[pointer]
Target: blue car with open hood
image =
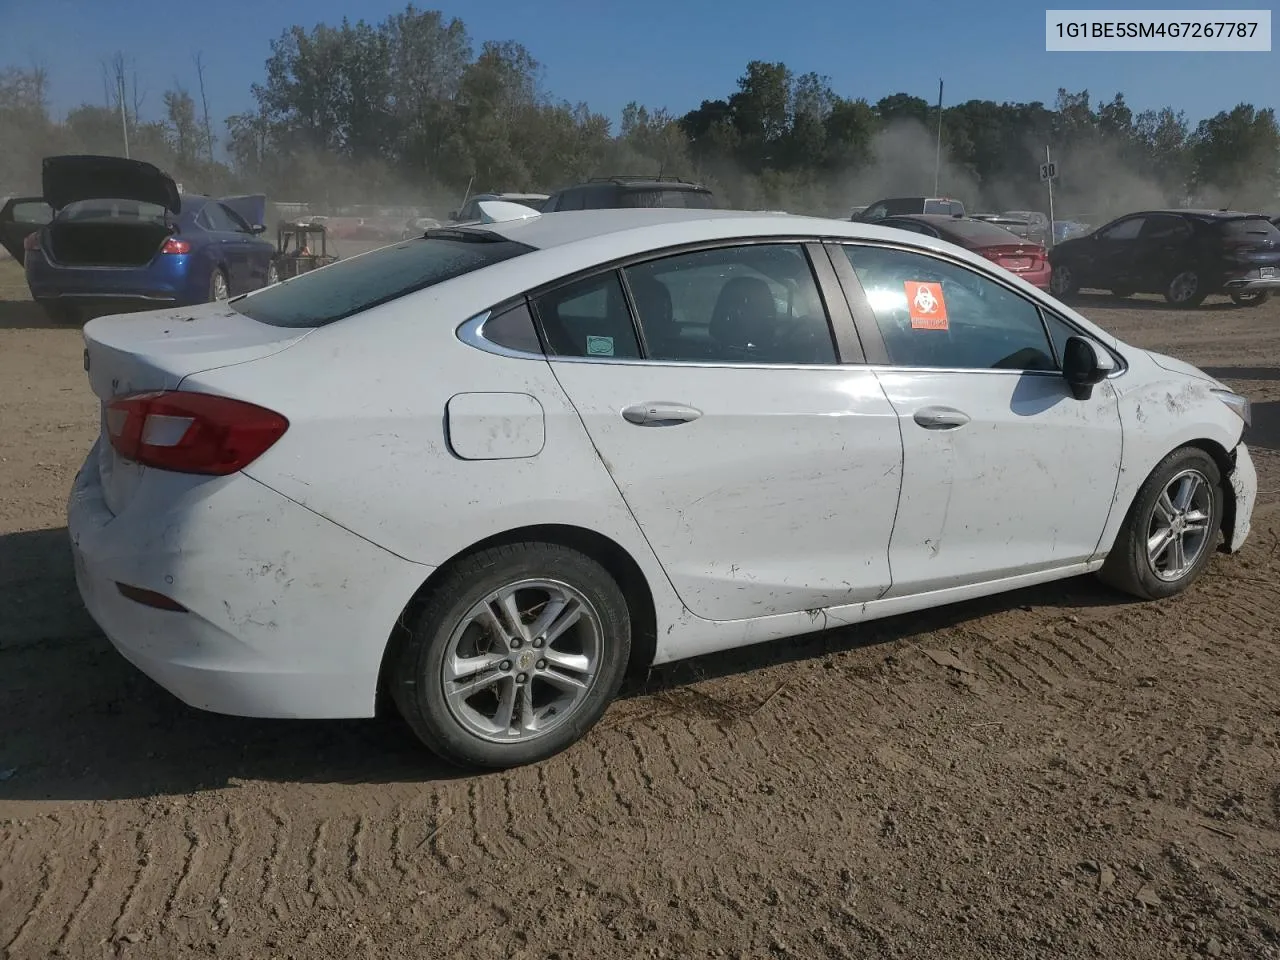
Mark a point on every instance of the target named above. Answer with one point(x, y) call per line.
point(114, 233)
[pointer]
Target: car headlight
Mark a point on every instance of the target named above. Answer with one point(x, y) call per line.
point(1238, 404)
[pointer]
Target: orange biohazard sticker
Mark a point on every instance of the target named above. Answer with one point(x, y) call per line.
point(927, 308)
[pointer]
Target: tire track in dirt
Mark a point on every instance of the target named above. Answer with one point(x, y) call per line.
point(93, 884)
point(46, 886)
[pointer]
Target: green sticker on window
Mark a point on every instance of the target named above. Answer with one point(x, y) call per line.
point(599, 346)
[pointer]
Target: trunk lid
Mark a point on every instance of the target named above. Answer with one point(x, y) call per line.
point(157, 350)
point(1015, 257)
point(69, 179)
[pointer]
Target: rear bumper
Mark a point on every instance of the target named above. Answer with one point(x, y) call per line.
point(287, 613)
point(1243, 480)
point(1236, 286)
point(149, 286)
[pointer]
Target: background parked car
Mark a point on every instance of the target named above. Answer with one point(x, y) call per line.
point(607, 193)
point(907, 206)
point(116, 233)
point(1037, 228)
point(987, 239)
point(470, 211)
point(1184, 254)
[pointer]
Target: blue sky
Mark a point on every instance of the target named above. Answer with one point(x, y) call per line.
point(660, 52)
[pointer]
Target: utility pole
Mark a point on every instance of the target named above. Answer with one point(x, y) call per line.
point(937, 159)
point(124, 112)
point(1052, 172)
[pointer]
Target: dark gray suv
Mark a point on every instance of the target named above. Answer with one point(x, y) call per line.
point(611, 193)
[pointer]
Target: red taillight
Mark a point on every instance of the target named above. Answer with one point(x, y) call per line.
point(191, 432)
point(31, 241)
point(175, 246)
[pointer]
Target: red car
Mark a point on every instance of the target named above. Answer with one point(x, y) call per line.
point(1028, 260)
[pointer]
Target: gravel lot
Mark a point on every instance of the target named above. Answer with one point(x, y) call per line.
point(1055, 773)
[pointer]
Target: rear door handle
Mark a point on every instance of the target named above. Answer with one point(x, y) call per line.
point(941, 418)
point(659, 414)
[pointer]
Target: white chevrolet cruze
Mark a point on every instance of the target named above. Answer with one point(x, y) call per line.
point(486, 470)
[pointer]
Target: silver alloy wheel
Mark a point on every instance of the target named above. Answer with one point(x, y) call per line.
point(1184, 286)
point(522, 660)
point(1178, 531)
point(1060, 280)
point(273, 275)
point(220, 291)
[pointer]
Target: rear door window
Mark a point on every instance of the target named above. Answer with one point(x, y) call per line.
point(589, 318)
point(1164, 227)
point(351, 286)
point(1124, 230)
point(757, 303)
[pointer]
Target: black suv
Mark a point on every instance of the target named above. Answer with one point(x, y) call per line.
point(1184, 254)
point(610, 193)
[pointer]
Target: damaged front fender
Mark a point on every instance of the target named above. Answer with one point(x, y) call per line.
point(1242, 484)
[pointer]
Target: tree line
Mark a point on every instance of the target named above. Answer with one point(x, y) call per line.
point(409, 110)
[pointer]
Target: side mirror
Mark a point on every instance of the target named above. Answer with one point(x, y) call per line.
point(453, 214)
point(258, 228)
point(1084, 365)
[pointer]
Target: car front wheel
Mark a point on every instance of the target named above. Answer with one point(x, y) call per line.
point(1172, 528)
point(514, 654)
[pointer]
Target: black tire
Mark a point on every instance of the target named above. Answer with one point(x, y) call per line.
point(217, 274)
point(1255, 299)
point(61, 313)
point(1128, 566)
point(1176, 294)
point(416, 668)
point(1064, 281)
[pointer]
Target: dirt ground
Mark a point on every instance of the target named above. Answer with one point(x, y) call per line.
point(1055, 773)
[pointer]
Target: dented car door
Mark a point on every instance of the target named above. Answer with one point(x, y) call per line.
point(1004, 471)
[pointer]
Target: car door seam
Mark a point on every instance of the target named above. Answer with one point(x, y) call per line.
point(902, 468)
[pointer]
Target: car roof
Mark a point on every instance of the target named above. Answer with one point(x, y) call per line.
point(939, 218)
point(1201, 214)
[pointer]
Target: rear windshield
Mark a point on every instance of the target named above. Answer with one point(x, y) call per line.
point(982, 232)
point(350, 286)
point(695, 199)
point(102, 209)
point(943, 206)
point(1258, 229)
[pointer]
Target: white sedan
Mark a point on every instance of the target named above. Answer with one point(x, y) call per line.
point(487, 470)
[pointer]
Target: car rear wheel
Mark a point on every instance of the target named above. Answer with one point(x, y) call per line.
point(273, 274)
point(514, 655)
point(1063, 281)
point(1185, 289)
point(1171, 530)
point(218, 289)
point(1255, 299)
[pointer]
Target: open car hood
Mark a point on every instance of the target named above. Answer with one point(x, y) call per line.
point(252, 208)
point(69, 179)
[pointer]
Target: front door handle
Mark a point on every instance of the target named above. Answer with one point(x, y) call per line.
point(658, 414)
point(941, 418)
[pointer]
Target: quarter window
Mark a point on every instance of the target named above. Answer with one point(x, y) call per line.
point(936, 314)
point(750, 304)
point(589, 318)
point(514, 329)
